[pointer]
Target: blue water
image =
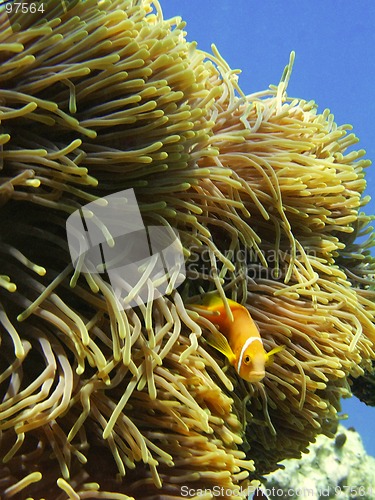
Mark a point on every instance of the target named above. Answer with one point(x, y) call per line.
point(334, 43)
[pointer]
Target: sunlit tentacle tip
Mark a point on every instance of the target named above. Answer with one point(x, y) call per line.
point(7, 284)
point(39, 270)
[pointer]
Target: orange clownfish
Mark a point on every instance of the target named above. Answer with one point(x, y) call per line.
point(239, 340)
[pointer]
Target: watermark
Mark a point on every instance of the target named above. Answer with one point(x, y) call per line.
point(21, 14)
point(281, 493)
point(249, 263)
point(108, 237)
point(217, 491)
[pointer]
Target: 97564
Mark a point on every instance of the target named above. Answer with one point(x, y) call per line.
point(23, 7)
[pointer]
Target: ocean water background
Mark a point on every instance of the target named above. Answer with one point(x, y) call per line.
point(334, 43)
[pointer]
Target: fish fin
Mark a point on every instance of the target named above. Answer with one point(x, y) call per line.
point(269, 355)
point(221, 344)
point(213, 301)
point(235, 305)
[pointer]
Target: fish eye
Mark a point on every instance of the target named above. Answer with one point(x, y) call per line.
point(247, 359)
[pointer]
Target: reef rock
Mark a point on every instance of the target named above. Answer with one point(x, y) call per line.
point(337, 468)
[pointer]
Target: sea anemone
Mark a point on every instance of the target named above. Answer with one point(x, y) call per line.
point(308, 284)
point(99, 402)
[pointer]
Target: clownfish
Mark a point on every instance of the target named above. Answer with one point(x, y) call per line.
point(239, 340)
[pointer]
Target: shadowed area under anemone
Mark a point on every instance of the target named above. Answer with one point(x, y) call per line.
point(266, 195)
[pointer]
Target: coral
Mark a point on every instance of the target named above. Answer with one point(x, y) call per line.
point(336, 468)
point(98, 402)
point(364, 387)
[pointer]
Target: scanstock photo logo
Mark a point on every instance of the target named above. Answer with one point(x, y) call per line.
point(108, 236)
